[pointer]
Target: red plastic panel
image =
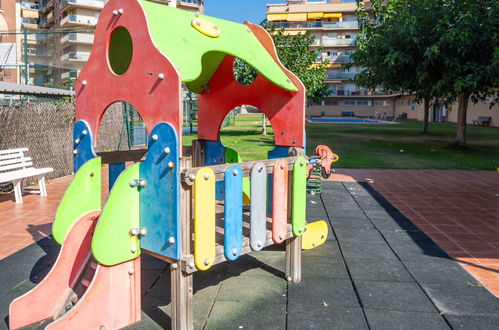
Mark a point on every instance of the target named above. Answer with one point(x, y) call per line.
point(44, 300)
point(280, 201)
point(156, 99)
point(112, 301)
point(285, 110)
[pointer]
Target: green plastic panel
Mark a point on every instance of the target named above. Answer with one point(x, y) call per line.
point(197, 56)
point(82, 196)
point(112, 243)
point(231, 156)
point(299, 196)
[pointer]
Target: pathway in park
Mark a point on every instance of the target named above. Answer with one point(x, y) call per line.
point(378, 269)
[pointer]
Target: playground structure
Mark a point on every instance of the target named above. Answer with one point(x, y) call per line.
point(193, 207)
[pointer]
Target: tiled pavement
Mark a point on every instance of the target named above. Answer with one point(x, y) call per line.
point(459, 210)
point(380, 273)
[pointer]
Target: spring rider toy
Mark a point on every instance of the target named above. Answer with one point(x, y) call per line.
point(183, 205)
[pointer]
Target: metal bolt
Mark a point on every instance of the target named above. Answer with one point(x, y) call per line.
point(206, 262)
point(300, 230)
point(191, 264)
point(288, 80)
point(215, 27)
point(120, 11)
point(133, 249)
point(235, 172)
point(234, 252)
point(84, 132)
point(206, 176)
point(102, 327)
point(134, 183)
point(198, 23)
point(166, 150)
point(175, 266)
point(313, 244)
point(155, 137)
point(260, 169)
point(192, 177)
point(143, 231)
point(302, 163)
point(170, 164)
point(281, 237)
point(142, 183)
point(171, 240)
point(75, 152)
point(77, 141)
point(196, 14)
point(323, 235)
point(134, 231)
point(131, 271)
point(84, 83)
point(115, 12)
point(289, 278)
point(259, 244)
point(282, 166)
point(161, 76)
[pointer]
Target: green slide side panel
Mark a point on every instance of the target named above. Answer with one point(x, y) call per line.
point(83, 195)
point(231, 156)
point(299, 196)
point(112, 243)
point(197, 56)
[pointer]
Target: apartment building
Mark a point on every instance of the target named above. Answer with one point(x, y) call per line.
point(59, 36)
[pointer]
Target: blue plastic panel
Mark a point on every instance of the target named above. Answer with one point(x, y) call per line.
point(215, 155)
point(115, 170)
point(233, 212)
point(83, 144)
point(258, 207)
point(160, 198)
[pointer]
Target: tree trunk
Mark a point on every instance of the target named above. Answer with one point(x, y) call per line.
point(461, 118)
point(426, 116)
point(264, 124)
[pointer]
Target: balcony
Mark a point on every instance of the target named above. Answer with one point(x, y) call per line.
point(30, 23)
point(69, 75)
point(92, 4)
point(334, 42)
point(78, 20)
point(79, 38)
point(191, 2)
point(338, 59)
point(348, 92)
point(46, 5)
point(29, 5)
point(317, 25)
point(75, 57)
point(334, 75)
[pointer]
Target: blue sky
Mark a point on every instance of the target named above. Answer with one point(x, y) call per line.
point(238, 10)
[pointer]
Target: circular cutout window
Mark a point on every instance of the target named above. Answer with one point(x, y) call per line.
point(120, 51)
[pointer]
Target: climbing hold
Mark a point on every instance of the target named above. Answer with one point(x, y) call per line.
point(206, 27)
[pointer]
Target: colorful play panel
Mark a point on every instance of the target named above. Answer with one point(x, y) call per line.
point(183, 205)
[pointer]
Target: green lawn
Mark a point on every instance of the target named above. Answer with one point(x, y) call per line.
point(376, 146)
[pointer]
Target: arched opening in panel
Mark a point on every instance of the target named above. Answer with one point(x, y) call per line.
point(248, 131)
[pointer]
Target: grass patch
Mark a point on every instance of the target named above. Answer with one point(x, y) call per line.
point(376, 146)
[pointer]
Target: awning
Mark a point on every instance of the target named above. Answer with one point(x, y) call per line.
point(332, 15)
point(301, 17)
point(315, 15)
point(276, 17)
point(293, 33)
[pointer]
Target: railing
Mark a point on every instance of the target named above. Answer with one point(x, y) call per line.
point(89, 3)
point(337, 59)
point(75, 56)
point(79, 19)
point(29, 21)
point(29, 5)
point(334, 42)
point(78, 37)
point(317, 24)
point(341, 75)
point(195, 2)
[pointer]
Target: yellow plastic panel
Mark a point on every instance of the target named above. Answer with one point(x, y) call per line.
point(315, 235)
point(204, 218)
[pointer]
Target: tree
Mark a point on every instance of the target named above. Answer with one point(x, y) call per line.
point(392, 48)
point(297, 56)
point(436, 49)
point(468, 49)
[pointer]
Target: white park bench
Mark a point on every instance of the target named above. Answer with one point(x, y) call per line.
point(15, 167)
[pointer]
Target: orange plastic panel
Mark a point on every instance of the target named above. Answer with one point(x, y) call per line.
point(280, 201)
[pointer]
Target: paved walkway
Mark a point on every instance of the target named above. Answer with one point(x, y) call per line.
point(459, 210)
point(376, 271)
